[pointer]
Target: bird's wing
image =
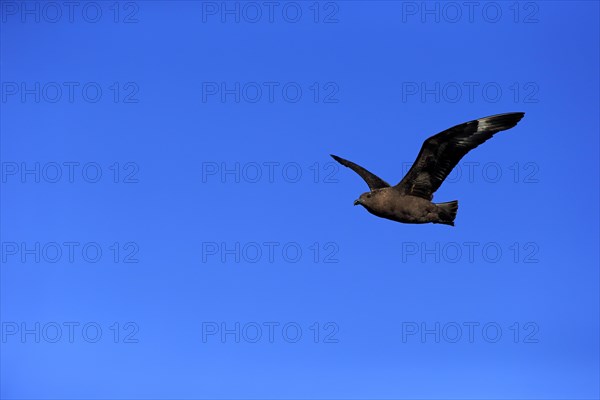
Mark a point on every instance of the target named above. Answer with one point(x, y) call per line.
point(440, 153)
point(372, 180)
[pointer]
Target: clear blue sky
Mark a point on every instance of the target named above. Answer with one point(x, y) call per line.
point(172, 224)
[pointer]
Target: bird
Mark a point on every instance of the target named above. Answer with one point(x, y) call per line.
point(410, 201)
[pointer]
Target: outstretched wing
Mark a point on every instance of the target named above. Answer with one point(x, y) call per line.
point(440, 153)
point(372, 180)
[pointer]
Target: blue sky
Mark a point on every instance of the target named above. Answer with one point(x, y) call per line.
point(172, 224)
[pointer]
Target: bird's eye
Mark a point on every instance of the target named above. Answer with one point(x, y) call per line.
point(368, 196)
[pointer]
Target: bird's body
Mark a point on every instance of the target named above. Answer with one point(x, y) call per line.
point(388, 203)
point(410, 200)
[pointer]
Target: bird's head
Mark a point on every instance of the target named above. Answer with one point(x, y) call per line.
point(366, 199)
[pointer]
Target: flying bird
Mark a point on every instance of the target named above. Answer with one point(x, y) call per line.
point(410, 201)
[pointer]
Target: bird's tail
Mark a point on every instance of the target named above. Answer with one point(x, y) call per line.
point(447, 212)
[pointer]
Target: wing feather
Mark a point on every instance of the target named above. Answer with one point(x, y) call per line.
point(440, 153)
point(372, 180)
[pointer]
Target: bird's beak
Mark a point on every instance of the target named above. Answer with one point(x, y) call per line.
point(356, 202)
